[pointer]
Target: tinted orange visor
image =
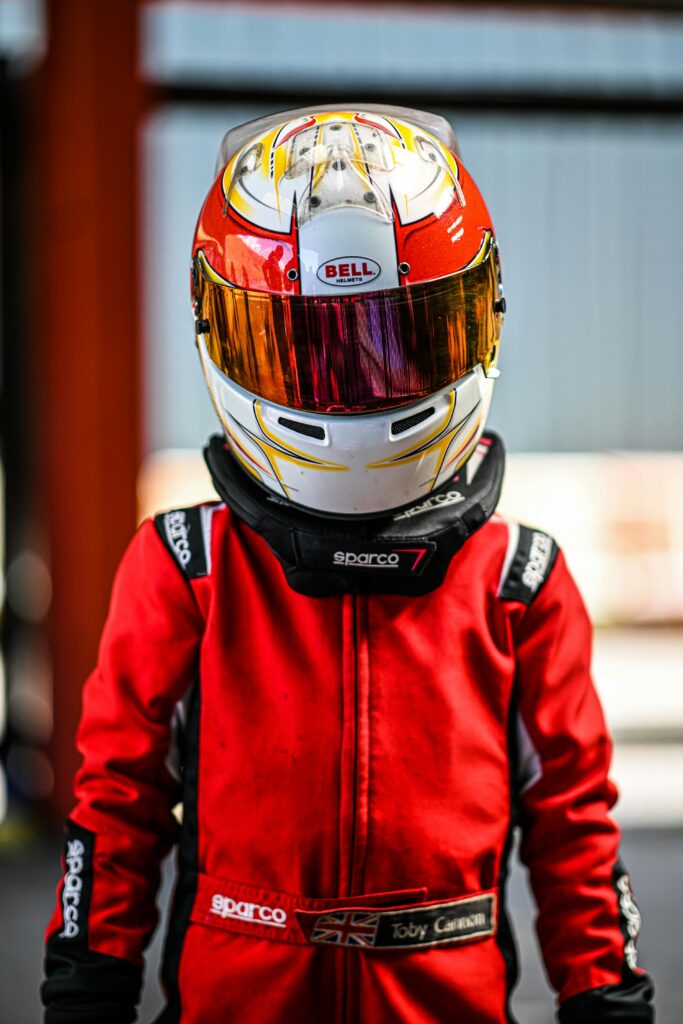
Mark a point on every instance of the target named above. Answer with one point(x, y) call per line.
point(356, 353)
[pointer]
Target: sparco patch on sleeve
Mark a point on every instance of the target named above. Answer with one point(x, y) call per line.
point(77, 883)
point(528, 563)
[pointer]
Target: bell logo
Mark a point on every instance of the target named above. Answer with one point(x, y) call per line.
point(347, 271)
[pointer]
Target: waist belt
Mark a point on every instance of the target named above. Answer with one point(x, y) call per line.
point(401, 919)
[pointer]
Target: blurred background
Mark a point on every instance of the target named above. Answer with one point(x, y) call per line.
point(570, 118)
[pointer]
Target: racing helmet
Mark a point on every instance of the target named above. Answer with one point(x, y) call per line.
point(348, 304)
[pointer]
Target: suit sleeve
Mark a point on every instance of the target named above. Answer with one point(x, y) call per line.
point(122, 824)
point(587, 918)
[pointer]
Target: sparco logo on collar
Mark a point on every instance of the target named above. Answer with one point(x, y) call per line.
point(539, 555)
point(349, 270)
point(73, 887)
point(380, 559)
point(253, 913)
point(436, 501)
point(177, 531)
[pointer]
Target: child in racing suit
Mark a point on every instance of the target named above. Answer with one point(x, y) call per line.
point(355, 678)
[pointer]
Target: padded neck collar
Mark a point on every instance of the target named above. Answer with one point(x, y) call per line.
point(406, 552)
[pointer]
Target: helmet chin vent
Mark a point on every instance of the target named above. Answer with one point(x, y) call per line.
point(309, 429)
point(400, 426)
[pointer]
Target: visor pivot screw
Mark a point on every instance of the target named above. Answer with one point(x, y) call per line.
point(292, 274)
point(315, 200)
point(202, 327)
point(370, 197)
point(404, 268)
point(500, 305)
point(370, 146)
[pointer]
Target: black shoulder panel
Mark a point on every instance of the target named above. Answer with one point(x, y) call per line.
point(186, 532)
point(529, 567)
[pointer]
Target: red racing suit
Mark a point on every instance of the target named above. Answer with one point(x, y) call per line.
point(350, 770)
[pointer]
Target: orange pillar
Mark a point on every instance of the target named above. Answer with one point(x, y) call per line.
point(84, 260)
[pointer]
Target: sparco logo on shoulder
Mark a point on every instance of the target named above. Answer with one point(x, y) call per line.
point(349, 270)
point(539, 555)
point(73, 886)
point(177, 530)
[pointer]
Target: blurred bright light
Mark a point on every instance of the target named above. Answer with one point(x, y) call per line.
point(29, 586)
point(649, 780)
point(22, 29)
point(29, 704)
point(3, 698)
point(619, 518)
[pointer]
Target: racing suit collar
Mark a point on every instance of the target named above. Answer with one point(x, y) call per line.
point(405, 552)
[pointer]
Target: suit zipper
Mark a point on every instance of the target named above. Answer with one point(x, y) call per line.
point(355, 778)
point(351, 957)
point(354, 817)
point(348, 850)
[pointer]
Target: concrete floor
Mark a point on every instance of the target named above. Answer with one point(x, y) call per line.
point(654, 858)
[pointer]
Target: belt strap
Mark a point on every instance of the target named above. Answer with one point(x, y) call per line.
point(400, 919)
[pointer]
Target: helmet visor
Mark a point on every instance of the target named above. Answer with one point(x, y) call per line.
point(355, 353)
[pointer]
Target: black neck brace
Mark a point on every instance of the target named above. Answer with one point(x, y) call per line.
point(406, 552)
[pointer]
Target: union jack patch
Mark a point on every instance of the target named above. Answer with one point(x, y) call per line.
point(347, 928)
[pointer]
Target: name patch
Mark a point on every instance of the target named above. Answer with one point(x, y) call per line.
point(410, 928)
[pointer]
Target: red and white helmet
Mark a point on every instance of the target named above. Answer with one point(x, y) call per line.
point(348, 305)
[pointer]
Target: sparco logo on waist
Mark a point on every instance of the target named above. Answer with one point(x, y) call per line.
point(252, 913)
point(73, 887)
point(177, 530)
point(380, 559)
point(349, 270)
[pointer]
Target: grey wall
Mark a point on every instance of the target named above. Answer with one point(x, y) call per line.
point(417, 47)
